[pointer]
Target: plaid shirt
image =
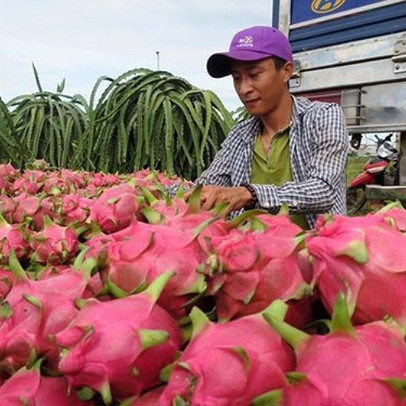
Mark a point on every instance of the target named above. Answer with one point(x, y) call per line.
point(318, 146)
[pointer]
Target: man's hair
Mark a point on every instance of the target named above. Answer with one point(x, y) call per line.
point(279, 62)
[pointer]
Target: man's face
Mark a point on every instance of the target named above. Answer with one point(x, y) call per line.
point(260, 85)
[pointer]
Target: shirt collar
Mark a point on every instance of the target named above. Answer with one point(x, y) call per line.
point(298, 110)
point(252, 129)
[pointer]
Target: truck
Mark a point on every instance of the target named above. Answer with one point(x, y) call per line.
point(352, 52)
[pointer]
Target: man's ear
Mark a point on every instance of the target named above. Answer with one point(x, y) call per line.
point(288, 71)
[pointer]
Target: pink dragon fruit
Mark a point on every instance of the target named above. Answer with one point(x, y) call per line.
point(49, 271)
point(55, 391)
point(67, 209)
point(94, 285)
point(28, 207)
point(97, 243)
point(118, 347)
point(251, 361)
point(20, 387)
point(116, 208)
point(365, 365)
point(97, 180)
point(186, 216)
point(151, 250)
point(150, 178)
point(96, 288)
point(34, 311)
point(75, 209)
point(76, 180)
point(55, 185)
point(6, 282)
point(13, 237)
point(255, 267)
point(8, 174)
point(28, 387)
point(365, 258)
point(149, 398)
point(394, 214)
point(8, 171)
point(30, 182)
point(162, 209)
point(54, 244)
point(64, 181)
point(7, 207)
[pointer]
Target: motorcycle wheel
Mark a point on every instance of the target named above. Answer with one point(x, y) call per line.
point(356, 199)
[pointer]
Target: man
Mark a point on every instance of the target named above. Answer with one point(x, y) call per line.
point(292, 151)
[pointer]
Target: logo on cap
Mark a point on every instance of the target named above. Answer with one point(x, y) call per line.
point(326, 6)
point(247, 41)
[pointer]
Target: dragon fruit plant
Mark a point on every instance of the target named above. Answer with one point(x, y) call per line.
point(233, 363)
point(365, 259)
point(362, 365)
point(118, 347)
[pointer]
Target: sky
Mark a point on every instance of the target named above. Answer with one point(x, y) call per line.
point(82, 40)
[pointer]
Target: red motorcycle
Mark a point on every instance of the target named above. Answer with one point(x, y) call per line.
point(381, 169)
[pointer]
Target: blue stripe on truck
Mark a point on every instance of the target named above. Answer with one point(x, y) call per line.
point(372, 23)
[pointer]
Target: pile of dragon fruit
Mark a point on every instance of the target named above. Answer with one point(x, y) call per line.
point(113, 293)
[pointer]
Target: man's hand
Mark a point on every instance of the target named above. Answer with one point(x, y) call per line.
point(212, 195)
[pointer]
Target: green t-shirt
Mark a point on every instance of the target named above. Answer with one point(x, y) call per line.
point(275, 167)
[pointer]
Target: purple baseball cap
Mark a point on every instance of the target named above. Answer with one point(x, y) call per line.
point(251, 44)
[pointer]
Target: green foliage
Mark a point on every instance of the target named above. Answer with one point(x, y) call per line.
point(48, 125)
point(11, 149)
point(142, 119)
point(153, 119)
